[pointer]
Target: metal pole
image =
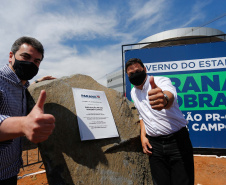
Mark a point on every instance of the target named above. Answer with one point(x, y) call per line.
point(123, 75)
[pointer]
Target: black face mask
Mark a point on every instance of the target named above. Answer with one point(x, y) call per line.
point(25, 70)
point(137, 78)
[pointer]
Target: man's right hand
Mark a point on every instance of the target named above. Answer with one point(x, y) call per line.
point(37, 126)
point(146, 145)
point(156, 96)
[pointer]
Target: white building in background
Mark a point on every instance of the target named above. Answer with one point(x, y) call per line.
point(115, 79)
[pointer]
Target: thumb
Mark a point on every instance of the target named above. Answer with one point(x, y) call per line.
point(152, 82)
point(41, 100)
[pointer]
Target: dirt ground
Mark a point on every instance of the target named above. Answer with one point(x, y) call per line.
point(209, 170)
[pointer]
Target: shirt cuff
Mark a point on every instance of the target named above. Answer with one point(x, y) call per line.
point(3, 117)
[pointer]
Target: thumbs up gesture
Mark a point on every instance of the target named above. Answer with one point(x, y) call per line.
point(155, 96)
point(37, 126)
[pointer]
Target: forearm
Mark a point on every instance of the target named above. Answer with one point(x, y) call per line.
point(11, 128)
point(142, 129)
point(144, 140)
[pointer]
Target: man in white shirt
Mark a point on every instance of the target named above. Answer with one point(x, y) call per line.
point(164, 136)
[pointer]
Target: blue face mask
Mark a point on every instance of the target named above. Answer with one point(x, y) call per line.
point(25, 70)
point(137, 78)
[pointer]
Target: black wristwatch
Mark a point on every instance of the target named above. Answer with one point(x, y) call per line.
point(167, 99)
point(36, 81)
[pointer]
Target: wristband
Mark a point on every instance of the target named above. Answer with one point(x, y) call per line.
point(167, 99)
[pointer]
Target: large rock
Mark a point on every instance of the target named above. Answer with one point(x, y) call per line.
point(68, 160)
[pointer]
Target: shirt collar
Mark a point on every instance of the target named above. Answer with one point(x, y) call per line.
point(146, 84)
point(12, 76)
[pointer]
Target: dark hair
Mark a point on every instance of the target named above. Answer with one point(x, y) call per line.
point(134, 61)
point(28, 40)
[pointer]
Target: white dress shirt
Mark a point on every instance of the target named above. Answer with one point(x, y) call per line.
point(157, 123)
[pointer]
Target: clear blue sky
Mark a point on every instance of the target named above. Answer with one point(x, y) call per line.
point(85, 36)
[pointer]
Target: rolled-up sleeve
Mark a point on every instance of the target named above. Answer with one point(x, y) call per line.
point(3, 117)
point(3, 114)
point(166, 85)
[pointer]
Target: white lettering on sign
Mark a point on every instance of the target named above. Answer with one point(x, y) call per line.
point(186, 65)
point(208, 127)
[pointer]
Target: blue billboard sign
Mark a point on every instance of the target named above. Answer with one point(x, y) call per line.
point(199, 74)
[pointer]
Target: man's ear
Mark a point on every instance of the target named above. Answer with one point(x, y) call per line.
point(145, 69)
point(11, 57)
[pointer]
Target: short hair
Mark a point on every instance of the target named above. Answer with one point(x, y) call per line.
point(28, 40)
point(134, 61)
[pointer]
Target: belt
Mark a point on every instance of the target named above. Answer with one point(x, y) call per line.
point(180, 132)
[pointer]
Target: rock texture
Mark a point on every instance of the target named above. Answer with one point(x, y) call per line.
point(68, 160)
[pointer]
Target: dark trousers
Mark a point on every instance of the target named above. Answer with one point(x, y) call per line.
point(172, 159)
point(10, 181)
